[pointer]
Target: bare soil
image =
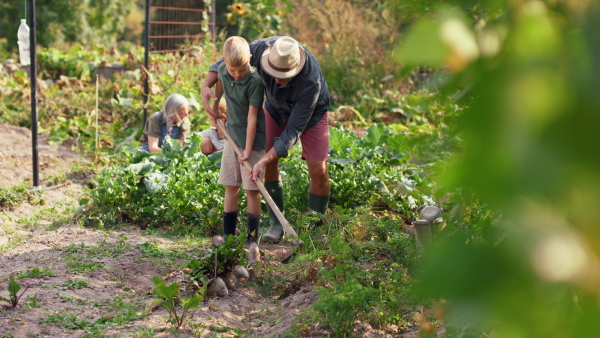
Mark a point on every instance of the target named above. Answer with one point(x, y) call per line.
point(41, 234)
point(31, 238)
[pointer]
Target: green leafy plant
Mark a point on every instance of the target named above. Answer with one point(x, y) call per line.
point(111, 250)
point(13, 290)
point(70, 298)
point(55, 63)
point(229, 255)
point(13, 196)
point(364, 265)
point(74, 284)
point(76, 263)
point(159, 189)
point(374, 170)
point(37, 273)
point(34, 301)
point(339, 307)
point(169, 299)
point(68, 321)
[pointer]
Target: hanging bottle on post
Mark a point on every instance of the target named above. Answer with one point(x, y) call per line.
point(23, 41)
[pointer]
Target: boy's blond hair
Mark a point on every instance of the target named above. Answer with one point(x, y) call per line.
point(236, 51)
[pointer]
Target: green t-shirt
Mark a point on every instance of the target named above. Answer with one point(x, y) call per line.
point(240, 95)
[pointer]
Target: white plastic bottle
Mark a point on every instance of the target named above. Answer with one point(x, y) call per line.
point(23, 41)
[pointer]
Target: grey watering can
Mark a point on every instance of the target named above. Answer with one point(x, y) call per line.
point(427, 227)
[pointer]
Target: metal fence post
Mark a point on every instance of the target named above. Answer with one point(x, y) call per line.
point(33, 76)
point(213, 20)
point(146, 61)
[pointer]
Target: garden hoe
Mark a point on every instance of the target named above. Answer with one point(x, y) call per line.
point(288, 230)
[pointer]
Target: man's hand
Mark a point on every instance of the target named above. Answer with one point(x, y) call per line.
point(250, 177)
point(258, 172)
point(215, 114)
point(207, 93)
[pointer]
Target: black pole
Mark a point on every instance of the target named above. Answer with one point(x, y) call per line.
point(213, 20)
point(146, 59)
point(33, 76)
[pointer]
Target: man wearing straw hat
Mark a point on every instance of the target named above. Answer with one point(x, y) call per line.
point(295, 109)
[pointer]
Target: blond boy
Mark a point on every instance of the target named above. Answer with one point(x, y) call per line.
point(244, 90)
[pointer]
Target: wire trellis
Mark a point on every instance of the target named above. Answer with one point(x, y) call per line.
point(174, 24)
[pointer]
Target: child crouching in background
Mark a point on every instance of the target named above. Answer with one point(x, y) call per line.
point(213, 139)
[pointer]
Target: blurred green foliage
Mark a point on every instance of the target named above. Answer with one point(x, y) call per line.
point(529, 154)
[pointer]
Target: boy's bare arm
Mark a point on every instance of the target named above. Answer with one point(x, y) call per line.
point(250, 131)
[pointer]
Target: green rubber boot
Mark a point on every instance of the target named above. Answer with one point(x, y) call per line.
point(318, 204)
point(275, 231)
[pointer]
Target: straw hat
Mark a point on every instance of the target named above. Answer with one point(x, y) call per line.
point(284, 59)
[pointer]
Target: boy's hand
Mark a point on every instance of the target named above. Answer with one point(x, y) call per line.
point(245, 157)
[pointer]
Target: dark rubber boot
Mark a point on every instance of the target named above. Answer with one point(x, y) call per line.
point(275, 231)
point(252, 230)
point(318, 204)
point(229, 223)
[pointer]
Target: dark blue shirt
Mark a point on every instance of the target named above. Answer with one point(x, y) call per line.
point(301, 103)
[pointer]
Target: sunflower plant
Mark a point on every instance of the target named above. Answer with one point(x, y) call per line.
point(257, 19)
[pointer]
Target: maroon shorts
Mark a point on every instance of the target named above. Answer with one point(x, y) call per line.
point(315, 141)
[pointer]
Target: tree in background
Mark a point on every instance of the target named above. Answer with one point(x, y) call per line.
point(88, 22)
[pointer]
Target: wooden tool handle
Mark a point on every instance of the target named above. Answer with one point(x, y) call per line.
point(261, 186)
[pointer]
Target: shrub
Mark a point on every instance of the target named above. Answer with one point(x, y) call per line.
point(175, 188)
